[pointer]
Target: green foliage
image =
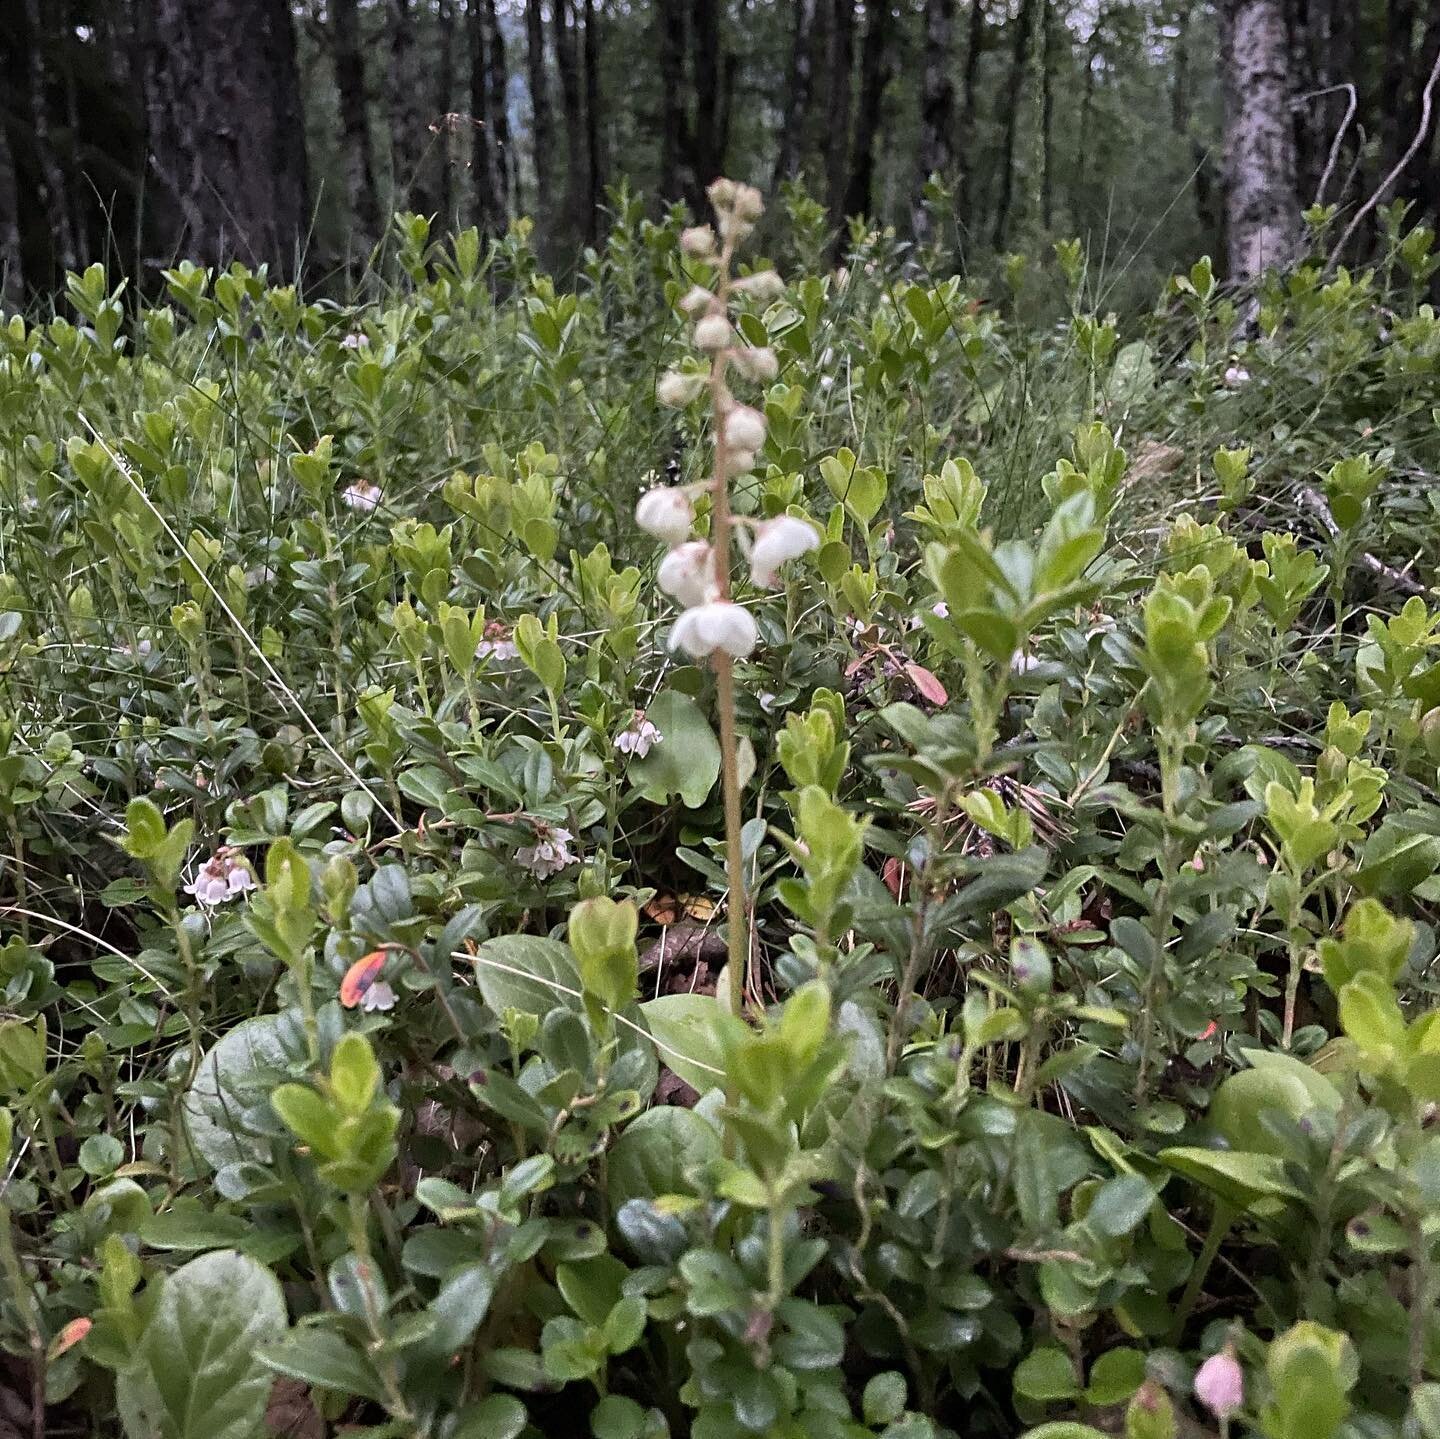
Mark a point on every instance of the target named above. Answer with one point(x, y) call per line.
point(361, 950)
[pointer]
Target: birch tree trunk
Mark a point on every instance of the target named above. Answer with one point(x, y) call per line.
point(1262, 211)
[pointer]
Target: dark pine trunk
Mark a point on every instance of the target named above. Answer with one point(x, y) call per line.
point(542, 118)
point(797, 91)
point(1014, 96)
point(354, 119)
point(840, 62)
point(567, 61)
point(974, 48)
point(937, 108)
point(594, 168)
point(497, 86)
point(54, 195)
point(709, 153)
point(443, 127)
point(407, 123)
point(484, 163)
point(1049, 58)
point(676, 142)
point(874, 75)
point(227, 133)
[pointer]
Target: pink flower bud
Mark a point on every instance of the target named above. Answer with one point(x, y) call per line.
point(1220, 1383)
point(713, 333)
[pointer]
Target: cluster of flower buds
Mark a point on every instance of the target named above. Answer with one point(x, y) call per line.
point(689, 573)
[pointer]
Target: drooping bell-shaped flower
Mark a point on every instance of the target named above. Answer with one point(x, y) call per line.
point(776, 541)
point(1220, 1383)
point(744, 428)
point(687, 573)
point(666, 513)
point(719, 625)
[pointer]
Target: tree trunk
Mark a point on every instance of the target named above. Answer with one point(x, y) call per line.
point(1015, 93)
point(12, 276)
point(797, 92)
point(676, 141)
point(594, 172)
point(840, 62)
point(1181, 119)
point(484, 166)
point(975, 45)
point(407, 143)
point(354, 120)
point(708, 62)
point(497, 107)
point(542, 121)
point(1048, 61)
point(937, 105)
point(227, 134)
point(1399, 127)
point(54, 197)
point(576, 184)
point(874, 75)
point(443, 126)
point(1261, 209)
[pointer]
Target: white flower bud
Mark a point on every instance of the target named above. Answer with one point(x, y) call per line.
point(698, 241)
point(739, 462)
point(687, 573)
point(763, 285)
point(721, 193)
point(716, 626)
point(748, 203)
point(665, 513)
point(675, 388)
point(756, 364)
point(732, 227)
point(713, 333)
point(744, 428)
point(783, 538)
point(696, 301)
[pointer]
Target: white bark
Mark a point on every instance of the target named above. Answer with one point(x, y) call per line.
point(1262, 212)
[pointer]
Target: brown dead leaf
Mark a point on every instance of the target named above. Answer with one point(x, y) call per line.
point(291, 1413)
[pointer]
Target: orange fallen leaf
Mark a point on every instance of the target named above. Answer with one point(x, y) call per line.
point(360, 976)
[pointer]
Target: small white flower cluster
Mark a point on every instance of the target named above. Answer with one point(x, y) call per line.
point(639, 737)
point(362, 495)
point(223, 876)
point(551, 851)
point(689, 573)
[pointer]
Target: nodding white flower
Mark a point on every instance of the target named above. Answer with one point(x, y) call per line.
point(259, 575)
point(739, 462)
point(353, 340)
point(763, 285)
point(675, 388)
point(713, 333)
point(696, 301)
point(698, 240)
point(666, 513)
point(139, 651)
point(687, 573)
point(223, 876)
point(498, 642)
point(638, 737)
point(1023, 664)
point(1236, 376)
point(361, 495)
point(719, 625)
point(378, 996)
point(1220, 1383)
point(550, 853)
point(783, 538)
point(941, 609)
point(758, 363)
point(744, 428)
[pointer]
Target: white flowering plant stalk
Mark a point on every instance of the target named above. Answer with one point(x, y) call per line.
point(696, 572)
